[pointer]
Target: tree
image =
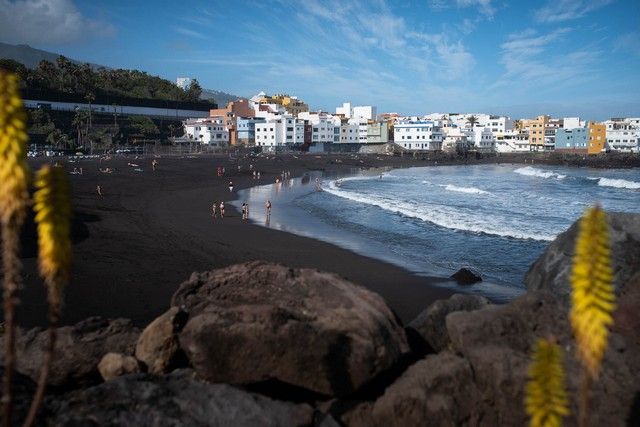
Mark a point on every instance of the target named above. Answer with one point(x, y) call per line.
point(143, 126)
point(78, 121)
point(59, 139)
point(472, 120)
point(194, 91)
point(518, 125)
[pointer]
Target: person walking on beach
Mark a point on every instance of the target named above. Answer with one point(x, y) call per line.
point(221, 209)
point(268, 206)
point(244, 211)
point(230, 186)
point(99, 191)
point(154, 163)
point(213, 209)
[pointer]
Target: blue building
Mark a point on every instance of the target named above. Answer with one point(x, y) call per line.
point(246, 128)
point(574, 140)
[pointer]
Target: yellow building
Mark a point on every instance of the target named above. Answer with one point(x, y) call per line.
point(597, 138)
point(292, 104)
point(536, 128)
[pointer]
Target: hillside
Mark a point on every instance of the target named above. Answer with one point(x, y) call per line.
point(31, 57)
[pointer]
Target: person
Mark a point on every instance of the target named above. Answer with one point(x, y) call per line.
point(213, 209)
point(230, 186)
point(154, 163)
point(221, 209)
point(254, 174)
point(244, 211)
point(268, 206)
point(258, 174)
point(99, 190)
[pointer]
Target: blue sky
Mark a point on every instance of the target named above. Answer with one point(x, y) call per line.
point(520, 58)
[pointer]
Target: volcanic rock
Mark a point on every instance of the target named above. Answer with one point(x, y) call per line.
point(158, 347)
point(114, 365)
point(466, 276)
point(256, 321)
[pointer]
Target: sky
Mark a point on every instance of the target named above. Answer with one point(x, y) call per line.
point(517, 58)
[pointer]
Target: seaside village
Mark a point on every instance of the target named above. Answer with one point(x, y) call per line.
point(280, 122)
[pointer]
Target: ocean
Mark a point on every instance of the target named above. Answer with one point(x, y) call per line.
point(496, 219)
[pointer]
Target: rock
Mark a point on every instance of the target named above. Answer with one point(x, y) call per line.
point(430, 325)
point(436, 391)
point(254, 322)
point(466, 276)
point(482, 380)
point(114, 365)
point(79, 349)
point(626, 319)
point(177, 399)
point(158, 347)
point(552, 270)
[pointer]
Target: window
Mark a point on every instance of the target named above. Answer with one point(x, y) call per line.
point(290, 129)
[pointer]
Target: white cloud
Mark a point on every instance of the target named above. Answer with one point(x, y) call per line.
point(189, 33)
point(484, 6)
point(565, 10)
point(47, 21)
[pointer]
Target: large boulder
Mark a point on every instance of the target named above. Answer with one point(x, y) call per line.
point(177, 399)
point(254, 322)
point(482, 380)
point(430, 325)
point(78, 350)
point(553, 269)
point(158, 347)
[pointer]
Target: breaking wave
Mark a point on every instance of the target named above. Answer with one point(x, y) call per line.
point(531, 171)
point(618, 183)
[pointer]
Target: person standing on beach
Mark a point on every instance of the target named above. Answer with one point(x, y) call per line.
point(244, 211)
point(154, 163)
point(99, 191)
point(268, 206)
point(230, 186)
point(213, 209)
point(221, 209)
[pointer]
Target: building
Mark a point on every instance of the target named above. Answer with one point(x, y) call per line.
point(325, 128)
point(481, 138)
point(418, 135)
point(513, 141)
point(455, 141)
point(362, 124)
point(573, 123)
point(597, 138)
point(246, 129)
point(231, 112)
point(575, 140)
point(379, 133)
point(184, 82)
point(291, 104)
point(283, 132)
point(210, 131)
point(367, 112)
point(623, 135)
point(349, 133)
point(542, 132)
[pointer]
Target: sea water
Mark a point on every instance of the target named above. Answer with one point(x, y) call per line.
point(496, 219)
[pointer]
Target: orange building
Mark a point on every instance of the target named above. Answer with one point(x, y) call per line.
point(597, 138)
point(230, 113)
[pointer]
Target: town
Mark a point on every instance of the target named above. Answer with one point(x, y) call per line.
point(280, 122)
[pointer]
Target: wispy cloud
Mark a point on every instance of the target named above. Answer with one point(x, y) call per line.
point(188, 32)
point(565, 10)
point(485, 7)
point(48, 21)
point(628, 43)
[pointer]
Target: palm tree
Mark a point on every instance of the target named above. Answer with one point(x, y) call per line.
point(472, 120)
point(517, 124)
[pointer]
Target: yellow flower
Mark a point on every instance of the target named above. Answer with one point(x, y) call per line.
point(592, 297)
point(14, 172)
point(53, 216)
point(545, 394)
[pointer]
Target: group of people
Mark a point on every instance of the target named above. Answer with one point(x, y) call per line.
point(218, 209)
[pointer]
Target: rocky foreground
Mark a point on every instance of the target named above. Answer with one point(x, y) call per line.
point(262, 344)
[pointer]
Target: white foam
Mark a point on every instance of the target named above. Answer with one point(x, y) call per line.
point(619, 183)
point(443, 216)
point(531, 171)
point(468, 190)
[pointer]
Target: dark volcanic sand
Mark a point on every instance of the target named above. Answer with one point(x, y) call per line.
point(151, 230)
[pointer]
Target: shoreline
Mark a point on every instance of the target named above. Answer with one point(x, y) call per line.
point(151, 230)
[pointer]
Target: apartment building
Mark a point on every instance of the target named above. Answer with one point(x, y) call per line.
point(418, 135)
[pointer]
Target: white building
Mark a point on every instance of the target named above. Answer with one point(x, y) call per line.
point(367, 112)
point(455, 141)
point(481, 137)
point(573, 123)
point(496, 124)
point(325, 128)
point(184, 82)
point(210, 131)
point(513, 141)
point(418, 135)
point(349, 133)
point(285, 131)
point(623, 135)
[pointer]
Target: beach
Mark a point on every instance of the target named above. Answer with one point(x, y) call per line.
point(151, 229)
